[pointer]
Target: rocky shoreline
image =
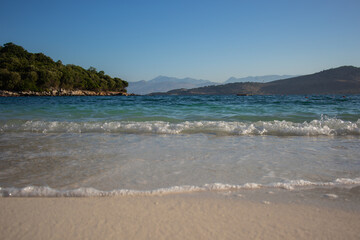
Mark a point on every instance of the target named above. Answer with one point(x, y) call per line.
point(62, 92)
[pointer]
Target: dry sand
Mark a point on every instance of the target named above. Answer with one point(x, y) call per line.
point(179, 216)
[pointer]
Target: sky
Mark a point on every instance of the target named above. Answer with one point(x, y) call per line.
point(204, 39)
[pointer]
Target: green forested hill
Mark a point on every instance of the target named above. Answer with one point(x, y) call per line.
point(24, 71)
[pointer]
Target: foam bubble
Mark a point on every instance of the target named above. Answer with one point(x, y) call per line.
point(347, 181)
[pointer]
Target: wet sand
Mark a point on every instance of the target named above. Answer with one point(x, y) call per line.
point(177, 216)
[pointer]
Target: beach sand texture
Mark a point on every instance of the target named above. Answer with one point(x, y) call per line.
point(179, 216)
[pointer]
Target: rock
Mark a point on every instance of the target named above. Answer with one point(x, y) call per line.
point(4, 93)
point(62, 92)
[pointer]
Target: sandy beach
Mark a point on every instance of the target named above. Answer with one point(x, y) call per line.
point(177, 216)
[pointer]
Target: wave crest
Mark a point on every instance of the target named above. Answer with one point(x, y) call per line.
point(41, 191)
point(326, 127)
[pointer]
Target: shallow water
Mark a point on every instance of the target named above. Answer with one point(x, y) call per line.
point(85, 146)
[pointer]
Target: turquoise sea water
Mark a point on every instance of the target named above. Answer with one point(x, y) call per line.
point(54, 146)
point(175, 109)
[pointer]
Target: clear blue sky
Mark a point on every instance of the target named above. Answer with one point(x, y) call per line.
point(214, 40)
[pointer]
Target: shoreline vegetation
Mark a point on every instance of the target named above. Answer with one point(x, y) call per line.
point(35, 74)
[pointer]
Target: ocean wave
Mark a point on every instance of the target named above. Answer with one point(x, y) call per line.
point(325, 127)
point(42, 191)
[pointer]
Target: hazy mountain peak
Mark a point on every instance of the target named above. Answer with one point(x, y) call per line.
point(162, 78)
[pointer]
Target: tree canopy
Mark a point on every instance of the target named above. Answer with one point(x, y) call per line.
point(24, 71)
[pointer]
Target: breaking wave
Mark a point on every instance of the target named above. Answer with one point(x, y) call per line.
point(36, 191)
point(325, 127)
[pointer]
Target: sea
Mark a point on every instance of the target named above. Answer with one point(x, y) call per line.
point(142, 145)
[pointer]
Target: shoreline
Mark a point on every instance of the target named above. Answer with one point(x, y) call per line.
point(62, 92)
point(177, 216)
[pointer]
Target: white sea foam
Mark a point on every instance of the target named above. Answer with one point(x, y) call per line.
point(41, 191)
point(325, 127)
point(331, 196)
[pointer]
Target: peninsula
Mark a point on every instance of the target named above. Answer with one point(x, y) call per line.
point(35, 74)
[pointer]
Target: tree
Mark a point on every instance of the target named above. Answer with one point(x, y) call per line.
point(10, 80)
point(92, 69)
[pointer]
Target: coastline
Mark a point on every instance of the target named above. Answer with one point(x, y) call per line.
point(62, 92)
point(174, 216)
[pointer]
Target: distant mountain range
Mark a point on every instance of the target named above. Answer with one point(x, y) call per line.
point(164, 84)
point(341, 80)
